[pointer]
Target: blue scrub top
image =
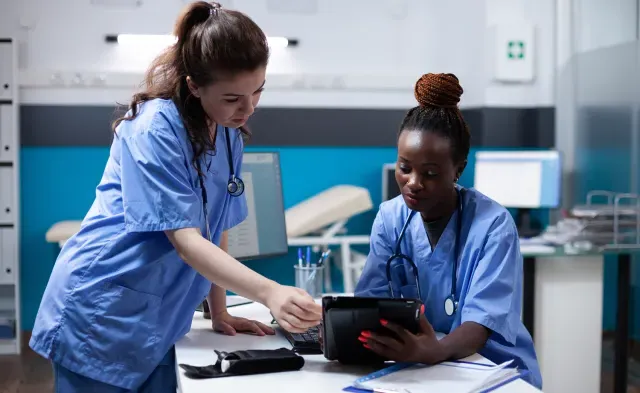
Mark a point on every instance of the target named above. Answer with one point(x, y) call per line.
point(119, 296)
point(489, 284)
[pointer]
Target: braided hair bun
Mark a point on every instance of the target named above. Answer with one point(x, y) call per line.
point(438, 90)
point(437, 111)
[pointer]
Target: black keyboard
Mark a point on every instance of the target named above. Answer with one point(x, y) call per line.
point(305, 343)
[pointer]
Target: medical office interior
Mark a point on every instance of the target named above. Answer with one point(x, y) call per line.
point(551, 95)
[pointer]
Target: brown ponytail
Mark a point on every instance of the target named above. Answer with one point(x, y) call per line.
point(204, 32)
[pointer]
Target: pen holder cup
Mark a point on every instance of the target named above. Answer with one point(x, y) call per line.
point(310, 278)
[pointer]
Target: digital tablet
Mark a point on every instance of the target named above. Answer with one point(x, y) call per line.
point(346, 317)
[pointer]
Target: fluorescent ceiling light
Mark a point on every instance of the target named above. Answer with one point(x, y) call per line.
point(166, 40)
point(279, 42)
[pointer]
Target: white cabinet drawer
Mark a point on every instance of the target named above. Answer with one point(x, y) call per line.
point(6, 70)
point(8, 148)
point(8, 255)
point(7, 189)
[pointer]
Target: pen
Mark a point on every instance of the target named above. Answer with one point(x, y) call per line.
point(312, 276)
point(308, 256)
point(323, 257)
point(300, 257)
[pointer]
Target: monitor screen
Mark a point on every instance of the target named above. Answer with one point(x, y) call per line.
point(519, 179)
point(263, 233)
point(390, 187)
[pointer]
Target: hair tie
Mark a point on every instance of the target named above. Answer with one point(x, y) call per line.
point(214, 8)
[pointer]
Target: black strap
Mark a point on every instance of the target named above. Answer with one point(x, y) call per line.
point(454, 273)
point(226, 132)
point(202, 187)
point(404, 228)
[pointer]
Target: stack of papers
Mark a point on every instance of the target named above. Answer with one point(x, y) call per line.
point(451, 377)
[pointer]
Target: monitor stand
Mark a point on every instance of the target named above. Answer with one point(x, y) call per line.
point(527, 227)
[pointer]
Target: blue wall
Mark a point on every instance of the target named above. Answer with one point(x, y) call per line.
point(58, 184)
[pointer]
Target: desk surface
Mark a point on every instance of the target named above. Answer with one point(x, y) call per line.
point(317, 375)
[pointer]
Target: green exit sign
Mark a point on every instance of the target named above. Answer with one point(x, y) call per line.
point(515, 49)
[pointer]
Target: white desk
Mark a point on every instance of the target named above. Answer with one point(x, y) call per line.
point(317, 375)
point(561, 291)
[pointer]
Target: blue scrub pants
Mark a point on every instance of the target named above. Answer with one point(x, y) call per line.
point(163, 379)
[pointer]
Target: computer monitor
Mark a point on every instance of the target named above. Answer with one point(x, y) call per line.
point(390, 187)
point(263, 234)
point(520, 179)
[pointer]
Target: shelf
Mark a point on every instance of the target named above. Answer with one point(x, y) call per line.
point(9, 198)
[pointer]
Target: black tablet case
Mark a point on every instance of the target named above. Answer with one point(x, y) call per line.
point(346, 317)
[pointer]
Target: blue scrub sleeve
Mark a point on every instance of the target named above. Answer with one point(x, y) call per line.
point(157, 192)
point(493, 299)
point(373, 280)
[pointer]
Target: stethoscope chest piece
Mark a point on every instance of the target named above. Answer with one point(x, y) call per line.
point(235, 186)
point(450, 305)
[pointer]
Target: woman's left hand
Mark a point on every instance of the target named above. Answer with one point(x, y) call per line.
point(227, 324)
point(423, 347)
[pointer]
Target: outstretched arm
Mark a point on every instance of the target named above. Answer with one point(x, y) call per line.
point(217, 297)
point(159, 195)
point(221, 320)
point(219, 267)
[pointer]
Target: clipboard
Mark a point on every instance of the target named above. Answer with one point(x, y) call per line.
point(509, 375)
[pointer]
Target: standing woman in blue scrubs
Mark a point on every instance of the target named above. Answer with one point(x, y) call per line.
point(124, 288)
point(456, 237)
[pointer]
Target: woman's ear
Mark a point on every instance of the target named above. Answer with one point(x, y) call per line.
point(193, 88)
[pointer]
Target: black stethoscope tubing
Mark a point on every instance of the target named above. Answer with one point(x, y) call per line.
point(235, 185)
point(450, 304)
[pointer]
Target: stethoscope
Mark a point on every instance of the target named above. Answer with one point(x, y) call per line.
point(450, 303)
point(235, 185)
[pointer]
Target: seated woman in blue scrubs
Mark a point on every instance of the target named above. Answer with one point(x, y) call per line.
point(464, 245)
point(124, 289)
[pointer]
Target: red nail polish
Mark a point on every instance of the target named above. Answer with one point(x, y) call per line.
point(422, 309)
point(365, 333)
point(366, 346)
point(363, 339)
point(383, 322)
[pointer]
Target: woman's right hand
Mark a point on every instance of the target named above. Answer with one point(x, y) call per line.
point(294, 309)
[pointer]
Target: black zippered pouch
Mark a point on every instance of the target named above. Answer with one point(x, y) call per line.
point(246, 362)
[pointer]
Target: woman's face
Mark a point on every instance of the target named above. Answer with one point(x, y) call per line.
point(425, 171)
point(231, 101)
